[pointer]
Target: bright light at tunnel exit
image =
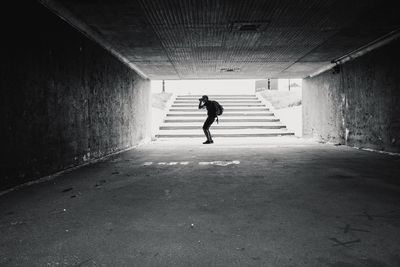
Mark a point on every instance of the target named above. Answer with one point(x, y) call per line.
point(285, 97)
point(225, 86)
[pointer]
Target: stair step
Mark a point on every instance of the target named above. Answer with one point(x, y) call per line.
point(258, 114)
point(223, 127)
point(225, 110)
point(225, 135)
point(217, 98)
point(221, 120)
point(199, 130)
point(223, 123)
point(225, 105)
point(211, 96)
point(224, 102)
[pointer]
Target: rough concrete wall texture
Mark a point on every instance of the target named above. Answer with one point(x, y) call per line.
point(360, 105)
point(65, 99)
point(322, 101)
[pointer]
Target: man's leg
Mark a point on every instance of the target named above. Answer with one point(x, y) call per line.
point(208, 134)
point(206, 128)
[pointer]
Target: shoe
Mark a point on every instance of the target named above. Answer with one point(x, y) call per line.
point(208, 142)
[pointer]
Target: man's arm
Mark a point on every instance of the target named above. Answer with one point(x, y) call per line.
point(200, 104)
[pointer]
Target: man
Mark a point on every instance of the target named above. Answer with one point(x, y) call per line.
point(211, 115)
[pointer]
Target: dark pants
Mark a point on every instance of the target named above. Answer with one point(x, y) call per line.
point(206, 127)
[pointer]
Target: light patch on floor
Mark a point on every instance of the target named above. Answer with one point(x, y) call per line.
point(220, 163)
point(149, 163)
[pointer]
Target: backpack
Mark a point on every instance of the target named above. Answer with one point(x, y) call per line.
point(218, 109)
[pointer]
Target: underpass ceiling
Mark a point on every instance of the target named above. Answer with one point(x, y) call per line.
point(197, 39)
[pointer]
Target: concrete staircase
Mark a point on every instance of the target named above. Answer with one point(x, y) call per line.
point(244, 116)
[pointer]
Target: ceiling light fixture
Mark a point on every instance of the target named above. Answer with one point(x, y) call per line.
point(249, 26)
point(230, 69)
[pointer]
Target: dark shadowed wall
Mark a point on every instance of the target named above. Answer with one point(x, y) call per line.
point(360, 105)
point(64, 99)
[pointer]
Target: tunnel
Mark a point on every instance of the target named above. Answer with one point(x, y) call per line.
point(84, 182)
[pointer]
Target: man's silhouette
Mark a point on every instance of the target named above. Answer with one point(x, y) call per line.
point(211, 115)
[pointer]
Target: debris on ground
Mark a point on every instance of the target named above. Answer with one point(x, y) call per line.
point(67, 190)
point(100, 183)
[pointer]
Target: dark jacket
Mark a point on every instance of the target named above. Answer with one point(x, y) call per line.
point(211, 109)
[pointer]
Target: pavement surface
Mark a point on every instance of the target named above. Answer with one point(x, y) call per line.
point(247, 202)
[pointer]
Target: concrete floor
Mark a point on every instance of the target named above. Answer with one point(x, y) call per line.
point(289, 202)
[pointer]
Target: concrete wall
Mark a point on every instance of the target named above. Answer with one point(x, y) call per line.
point(360, 105)
point(64, 99)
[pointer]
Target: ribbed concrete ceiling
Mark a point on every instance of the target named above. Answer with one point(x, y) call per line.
point(196, 39)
